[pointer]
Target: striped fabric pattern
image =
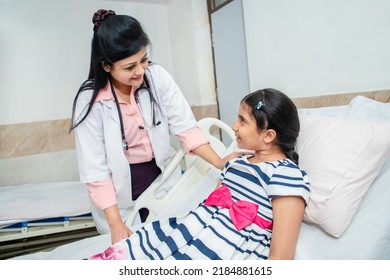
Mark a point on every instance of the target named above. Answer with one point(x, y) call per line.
point(207, 232)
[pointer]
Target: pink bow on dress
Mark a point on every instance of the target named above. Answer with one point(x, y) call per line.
point(242, 213)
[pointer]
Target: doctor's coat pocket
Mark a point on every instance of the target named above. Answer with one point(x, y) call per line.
point(161, 143)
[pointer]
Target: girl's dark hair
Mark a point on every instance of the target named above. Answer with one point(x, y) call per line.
point(115, 37)
point(276, 111)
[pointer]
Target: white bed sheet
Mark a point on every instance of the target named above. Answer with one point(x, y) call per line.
point(28, 202)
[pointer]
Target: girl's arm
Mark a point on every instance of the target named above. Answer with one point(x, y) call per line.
point(288, 215)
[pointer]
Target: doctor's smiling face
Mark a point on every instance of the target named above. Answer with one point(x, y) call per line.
point(128, 72)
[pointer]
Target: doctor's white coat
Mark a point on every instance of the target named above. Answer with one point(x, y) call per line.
point(99, 142)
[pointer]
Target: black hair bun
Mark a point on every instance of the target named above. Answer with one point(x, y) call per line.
point(100, 16)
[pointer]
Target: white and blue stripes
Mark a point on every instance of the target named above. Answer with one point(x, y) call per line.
point(207, 232)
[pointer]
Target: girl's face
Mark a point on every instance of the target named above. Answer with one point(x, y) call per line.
point(129, 71)
point(248, 136)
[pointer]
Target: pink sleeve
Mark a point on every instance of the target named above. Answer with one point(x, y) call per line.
point(192, 138)
point(102, 193)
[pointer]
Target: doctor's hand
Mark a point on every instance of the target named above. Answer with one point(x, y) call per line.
point(232, 155)
point(207, 153)
point(119, 232)
point(118, 229)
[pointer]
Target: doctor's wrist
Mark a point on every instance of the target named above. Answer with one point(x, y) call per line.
point(220, 163)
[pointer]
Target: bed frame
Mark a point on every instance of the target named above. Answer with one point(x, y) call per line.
point(195, 168)
point(339, 99)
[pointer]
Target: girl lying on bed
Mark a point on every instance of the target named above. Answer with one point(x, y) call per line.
point(257, 197)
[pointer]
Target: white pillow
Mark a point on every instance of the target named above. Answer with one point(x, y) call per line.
point(363, 108)
point(342, 158)
point(331, 111)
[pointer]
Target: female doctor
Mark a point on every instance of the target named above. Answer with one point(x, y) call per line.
point(123, 115)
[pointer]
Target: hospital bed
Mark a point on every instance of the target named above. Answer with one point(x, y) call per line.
point(40, 216)
point(345, 150)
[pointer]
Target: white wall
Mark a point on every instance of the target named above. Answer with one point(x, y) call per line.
point(231, 66)
point(304, 47)
point(191, 49)
point(45, 49)
point(307, 47)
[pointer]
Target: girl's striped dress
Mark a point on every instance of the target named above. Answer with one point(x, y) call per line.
point(208, 232)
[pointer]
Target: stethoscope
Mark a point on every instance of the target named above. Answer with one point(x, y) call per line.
point(144, 87)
